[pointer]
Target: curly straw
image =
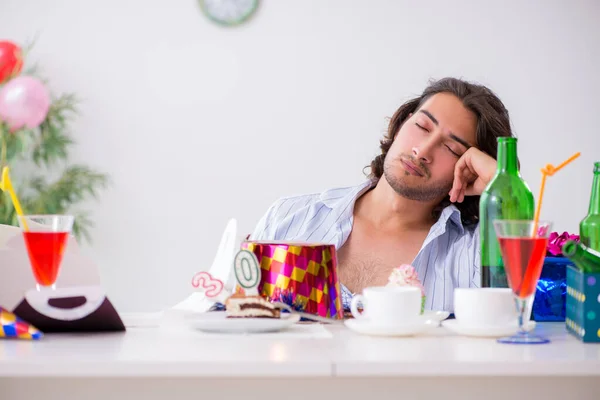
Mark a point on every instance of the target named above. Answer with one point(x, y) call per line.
point(548, 170)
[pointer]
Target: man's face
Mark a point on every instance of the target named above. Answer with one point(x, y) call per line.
point(420, 162)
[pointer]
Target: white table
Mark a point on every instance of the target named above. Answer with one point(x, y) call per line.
point(153, 363)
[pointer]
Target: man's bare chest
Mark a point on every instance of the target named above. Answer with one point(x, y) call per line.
point(367, 260)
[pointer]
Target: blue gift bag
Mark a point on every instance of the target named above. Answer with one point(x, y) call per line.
point(551, 292)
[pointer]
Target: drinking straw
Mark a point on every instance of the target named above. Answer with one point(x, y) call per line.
point(547, 171)
point(6, 185)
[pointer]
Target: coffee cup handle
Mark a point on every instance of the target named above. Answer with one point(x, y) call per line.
point(354, 305)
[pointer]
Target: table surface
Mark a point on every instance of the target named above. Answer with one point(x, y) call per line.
point(183, 352)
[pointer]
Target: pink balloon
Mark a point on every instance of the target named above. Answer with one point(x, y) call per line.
point(24, 101)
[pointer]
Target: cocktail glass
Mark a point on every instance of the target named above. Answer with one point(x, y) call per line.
point(46, 238)
point(523, 244)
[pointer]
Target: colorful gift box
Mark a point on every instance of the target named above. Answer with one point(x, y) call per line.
point(549, 304)
point(583, 305)
point(302, 275)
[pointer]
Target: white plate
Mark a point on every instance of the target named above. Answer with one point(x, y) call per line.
point(437, 315)
point(364, 327)
point(217, 322)
point(454, 326)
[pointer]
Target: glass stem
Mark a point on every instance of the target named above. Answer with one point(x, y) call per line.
point(50, 288)
point(521, 308)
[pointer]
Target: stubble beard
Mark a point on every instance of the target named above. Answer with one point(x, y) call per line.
point(419, 192)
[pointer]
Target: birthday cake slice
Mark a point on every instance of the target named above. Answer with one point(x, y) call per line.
point(239, 305)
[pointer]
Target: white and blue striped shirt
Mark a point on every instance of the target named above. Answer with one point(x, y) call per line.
point(449, 257)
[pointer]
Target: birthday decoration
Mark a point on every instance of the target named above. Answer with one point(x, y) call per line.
point(305, 273)
point(24, 102)
point(212, 287)
point(247, 272)
point(406, 275)
point(12, 326)
point(556, 242)
point(11, 60)
point(287, 297)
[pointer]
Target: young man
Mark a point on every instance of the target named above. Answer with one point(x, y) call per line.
point(420, 205)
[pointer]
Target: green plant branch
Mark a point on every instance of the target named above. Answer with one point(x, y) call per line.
point(77, 183)
point(3, 149)
point(53, 141)
point(46, 149)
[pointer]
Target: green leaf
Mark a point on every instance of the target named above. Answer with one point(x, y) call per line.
point(82, 225)
point(18, 144)
point(54, 140)
point(46, 147)
point(8, 215)
point(75, 185)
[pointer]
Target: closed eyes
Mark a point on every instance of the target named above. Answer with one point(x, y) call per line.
point(447, 147)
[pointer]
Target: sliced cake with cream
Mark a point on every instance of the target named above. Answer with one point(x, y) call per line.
point(241, 306)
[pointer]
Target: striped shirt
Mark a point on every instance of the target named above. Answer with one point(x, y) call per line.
point(448, 258)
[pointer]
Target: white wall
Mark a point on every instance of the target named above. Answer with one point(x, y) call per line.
point(295, 101)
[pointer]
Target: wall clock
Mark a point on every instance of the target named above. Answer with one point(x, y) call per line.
point(229, 12)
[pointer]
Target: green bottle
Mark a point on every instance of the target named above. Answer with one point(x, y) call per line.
point(589, 227)
point(586, 259)
point(507, 196)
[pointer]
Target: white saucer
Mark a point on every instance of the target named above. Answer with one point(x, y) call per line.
point(436, 315)
point(366, 327)
point(217, 322)
point(454, 326)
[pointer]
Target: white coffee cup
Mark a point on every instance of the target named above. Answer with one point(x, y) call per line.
point(484, 307)
point(388, 304)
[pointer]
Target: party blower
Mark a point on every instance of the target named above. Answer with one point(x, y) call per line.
point(12, 326)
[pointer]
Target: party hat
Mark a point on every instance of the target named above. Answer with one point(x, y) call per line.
point(12, 326)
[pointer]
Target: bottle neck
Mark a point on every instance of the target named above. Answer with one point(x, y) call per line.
point(507, 157)
point(577, 252)
point(595, 196)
